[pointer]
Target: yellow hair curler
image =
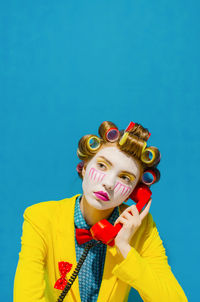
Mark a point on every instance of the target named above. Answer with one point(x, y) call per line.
point(148, 156)
point(151, 156)
point(93, 143)
point(144, 146)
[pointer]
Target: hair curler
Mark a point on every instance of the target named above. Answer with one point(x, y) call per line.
point(112, 135)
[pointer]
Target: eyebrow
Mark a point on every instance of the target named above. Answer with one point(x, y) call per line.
point(112, 165)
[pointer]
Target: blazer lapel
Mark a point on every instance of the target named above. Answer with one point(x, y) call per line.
point(66, 244)
point(108, 279)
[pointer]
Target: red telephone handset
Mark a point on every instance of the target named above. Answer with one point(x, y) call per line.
point(104, 231)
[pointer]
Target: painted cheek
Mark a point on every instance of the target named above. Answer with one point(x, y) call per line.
point(122, 189)
point(95, 175)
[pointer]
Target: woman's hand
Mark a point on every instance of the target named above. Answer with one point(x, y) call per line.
point(131, 220)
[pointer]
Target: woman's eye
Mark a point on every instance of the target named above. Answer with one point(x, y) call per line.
point(101, 166)
point(126, 178)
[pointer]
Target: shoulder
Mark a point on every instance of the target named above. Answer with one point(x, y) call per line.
point(47, 210)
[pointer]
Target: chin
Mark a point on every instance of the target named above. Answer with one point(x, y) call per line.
point(98, 204)
point(95, 203)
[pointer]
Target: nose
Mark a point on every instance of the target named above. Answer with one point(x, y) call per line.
point(109, 182)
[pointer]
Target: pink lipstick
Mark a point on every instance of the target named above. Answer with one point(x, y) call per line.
point(102, 195)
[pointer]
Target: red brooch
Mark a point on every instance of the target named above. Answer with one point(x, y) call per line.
point(64, 268)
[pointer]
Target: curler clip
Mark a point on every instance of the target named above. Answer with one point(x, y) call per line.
point(130, 127)
point(124, 138)
point(149, 136)
point(126, 131)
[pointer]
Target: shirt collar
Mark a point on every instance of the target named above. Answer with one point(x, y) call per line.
point(80, 221)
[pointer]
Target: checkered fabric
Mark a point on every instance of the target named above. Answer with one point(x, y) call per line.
point(91, 272)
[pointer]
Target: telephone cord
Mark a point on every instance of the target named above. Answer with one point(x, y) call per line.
point(77, 269)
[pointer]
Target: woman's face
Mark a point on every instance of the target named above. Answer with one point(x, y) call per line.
point(109, 178)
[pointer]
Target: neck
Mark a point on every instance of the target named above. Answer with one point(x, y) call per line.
point(92, 215)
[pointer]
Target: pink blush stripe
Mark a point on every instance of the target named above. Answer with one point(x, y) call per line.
point(96, 175)
point(124, 188)
point(91, 174)
point(103, 175)
point(127, 191)
point(118, 184)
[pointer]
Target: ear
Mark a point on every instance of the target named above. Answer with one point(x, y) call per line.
point(83, 170)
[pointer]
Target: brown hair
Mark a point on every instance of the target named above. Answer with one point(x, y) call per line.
point(134, 146)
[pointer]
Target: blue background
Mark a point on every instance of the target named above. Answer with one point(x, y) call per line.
point(66, 66)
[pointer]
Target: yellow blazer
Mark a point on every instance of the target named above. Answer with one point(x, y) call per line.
point(48, 238)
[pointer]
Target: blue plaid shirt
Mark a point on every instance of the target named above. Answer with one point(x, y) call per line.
point(91, 272)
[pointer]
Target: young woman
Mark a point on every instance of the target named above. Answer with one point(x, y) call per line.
point(113, 166)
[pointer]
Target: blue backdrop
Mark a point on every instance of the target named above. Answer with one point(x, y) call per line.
point(66, 66)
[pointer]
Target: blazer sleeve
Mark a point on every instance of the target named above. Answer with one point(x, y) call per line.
point(148, 270)
point(29, 283)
